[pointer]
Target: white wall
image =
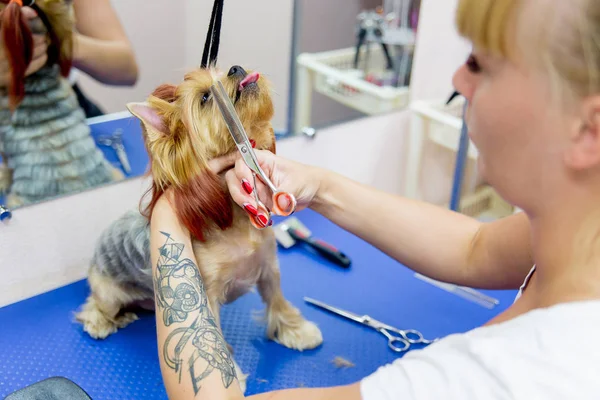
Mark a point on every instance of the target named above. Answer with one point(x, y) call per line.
point(49, 244)
point(168, 38)
point(439, 52)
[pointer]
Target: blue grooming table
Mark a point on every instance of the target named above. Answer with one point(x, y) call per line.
point(38, 338)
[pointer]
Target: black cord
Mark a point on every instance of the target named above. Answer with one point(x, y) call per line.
point(213, 36)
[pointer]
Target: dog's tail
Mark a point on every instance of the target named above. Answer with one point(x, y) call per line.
point(18, 48)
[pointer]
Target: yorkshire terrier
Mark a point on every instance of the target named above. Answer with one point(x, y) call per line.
point(183, 130)
point(46, 146)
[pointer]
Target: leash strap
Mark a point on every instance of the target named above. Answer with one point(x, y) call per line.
point(213, 36)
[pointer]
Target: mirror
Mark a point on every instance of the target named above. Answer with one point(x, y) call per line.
point(353, 59)
point(321, 84)
point(57, 136)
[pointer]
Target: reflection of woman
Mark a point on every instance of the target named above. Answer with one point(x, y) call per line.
point(100, 49)
point(45, 142)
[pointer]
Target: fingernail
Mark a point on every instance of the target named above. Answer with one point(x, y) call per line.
point(284, 202)
point(246, 186)
point(250, 209)
point(253, 143)
point(262, 219)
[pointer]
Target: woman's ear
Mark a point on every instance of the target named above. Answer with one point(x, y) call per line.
point(584, 149)
point(151, 121)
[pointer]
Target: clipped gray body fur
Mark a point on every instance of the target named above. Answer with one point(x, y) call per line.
point(123, 252)
point(47, 143)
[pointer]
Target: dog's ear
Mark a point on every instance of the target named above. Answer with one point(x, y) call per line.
point(17, 40)
point(151, 120)
point(203, 203)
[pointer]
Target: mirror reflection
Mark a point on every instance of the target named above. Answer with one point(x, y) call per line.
point(48, 148)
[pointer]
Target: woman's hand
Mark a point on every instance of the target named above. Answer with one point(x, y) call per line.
point(40, 50)
point(300, 180)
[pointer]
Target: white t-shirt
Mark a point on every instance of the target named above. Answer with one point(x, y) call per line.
point(551, 353)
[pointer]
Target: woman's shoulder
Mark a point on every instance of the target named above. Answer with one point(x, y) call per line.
point(535, 355)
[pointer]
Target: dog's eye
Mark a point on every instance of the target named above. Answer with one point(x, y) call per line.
point(205, 98)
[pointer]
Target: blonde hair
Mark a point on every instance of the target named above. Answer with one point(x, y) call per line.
point(563, 38)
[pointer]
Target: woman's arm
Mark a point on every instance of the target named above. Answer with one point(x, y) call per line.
point(193, 355)
point(101, 48)
point(188, 337)
point(429, 239)
point(434, 241)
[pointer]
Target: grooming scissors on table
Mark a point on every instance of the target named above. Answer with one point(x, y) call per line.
point(397, 343)
point(245, 148)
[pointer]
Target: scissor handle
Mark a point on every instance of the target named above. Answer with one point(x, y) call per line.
point(280, 211)
point(413, 336)
point(393, 340)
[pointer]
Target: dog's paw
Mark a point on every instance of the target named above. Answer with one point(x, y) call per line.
point(96, 325)
point(5, 179)
point(117, 174)
point(100, 327)
point(123, 320)
point(13, 201)
point(304, 336)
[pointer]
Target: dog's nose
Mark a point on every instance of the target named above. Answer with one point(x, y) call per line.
point(237, 70)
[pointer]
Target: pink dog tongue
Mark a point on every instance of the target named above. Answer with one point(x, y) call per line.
point(250, 78)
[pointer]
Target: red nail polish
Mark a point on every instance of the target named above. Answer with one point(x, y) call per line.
point(250, 209)
point(253, 143)
point(246, 186)
point(262, 219)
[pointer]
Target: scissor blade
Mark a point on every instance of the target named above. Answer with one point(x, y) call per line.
point(122, 154)
point(229, 114)
point(335, 310)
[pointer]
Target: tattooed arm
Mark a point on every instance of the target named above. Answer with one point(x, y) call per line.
point(194, 359)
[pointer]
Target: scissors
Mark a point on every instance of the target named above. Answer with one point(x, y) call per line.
point(116, 142)
point(397, 343)
point(245, 148)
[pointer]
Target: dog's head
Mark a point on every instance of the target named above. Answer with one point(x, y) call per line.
point(55, 19)
point(183, 130)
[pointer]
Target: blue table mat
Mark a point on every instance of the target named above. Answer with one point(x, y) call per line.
point(38, 338)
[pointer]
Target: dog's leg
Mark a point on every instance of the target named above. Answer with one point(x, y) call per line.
point(285, 323)
point(5, 178)
point(117, 174)
point(100, 313)
point(13, 201)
